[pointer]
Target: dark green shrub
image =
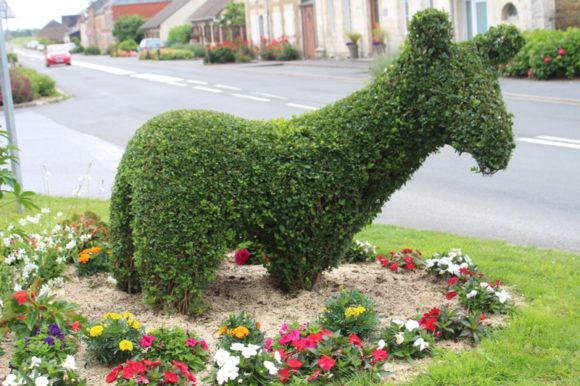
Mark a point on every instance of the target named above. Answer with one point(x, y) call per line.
point(350, 312)
point(21, 88)
point(92, 50)
point(42, 85)
point(112, 50)
point(180, 34)
point(128, 27)
point(128, 45)
point(12, 58)
point(194, 183)
point(79, 49)
point(287, 52)
point(499, 43)
point(221, 55)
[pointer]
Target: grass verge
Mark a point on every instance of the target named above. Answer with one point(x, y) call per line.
point(541, 344)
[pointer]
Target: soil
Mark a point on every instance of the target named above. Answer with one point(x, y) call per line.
point(248, 288)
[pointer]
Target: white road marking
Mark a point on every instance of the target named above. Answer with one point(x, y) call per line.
point(209, 89)
point(225, 87)
point(299, 106)
point(177, 84)
point(269, 95)
point(157, 78)
point(549, 143)
point(559, 139)
point(258, 99)
point(102, 68)
point(540, 98)
point(196, 81)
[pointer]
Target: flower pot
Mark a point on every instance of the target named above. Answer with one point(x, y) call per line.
point(378, 48)
point(353, 50)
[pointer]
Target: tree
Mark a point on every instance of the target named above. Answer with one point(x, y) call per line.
point(180, 34)
point(233, 15)
point(127, 27)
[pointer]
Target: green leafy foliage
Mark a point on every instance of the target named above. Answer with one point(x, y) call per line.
point(221, 55)
point(128, 45)
point(360, 251)
point(499, 44)
point(278, 49)
point(42, 85)
point(350, 312)
point(127, 27)
point(180, 34)
point(194, 183)
point(92, 50)
point(91, 261)
point(21, 88)
point(233, 15)
point(40, 372)
point(7, 179)
point(405, 339)
point(166, 54)
point(197, 50)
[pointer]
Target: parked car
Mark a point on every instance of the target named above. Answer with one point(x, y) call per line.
point(32, 44)
point(151, 44)
point(57, 54)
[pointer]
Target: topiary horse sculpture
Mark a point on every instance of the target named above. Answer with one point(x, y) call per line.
point(194, 183)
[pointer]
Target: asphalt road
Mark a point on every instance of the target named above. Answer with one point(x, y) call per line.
point(536, 201)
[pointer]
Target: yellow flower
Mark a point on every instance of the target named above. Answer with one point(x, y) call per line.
point(112, 315)
point(222, 330)
point(323, 309)
point(134, 323)
point(126, 345)
point(127, 315)
point(96, 330)
point(354, 311)
point(151, 331)
point(240, 332)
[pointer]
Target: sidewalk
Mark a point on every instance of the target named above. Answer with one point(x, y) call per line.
point(59, 161)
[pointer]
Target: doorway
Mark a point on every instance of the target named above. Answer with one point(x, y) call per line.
point(308, 31)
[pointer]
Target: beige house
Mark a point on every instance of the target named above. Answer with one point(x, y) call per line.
point(324, 23)
point(176, 13)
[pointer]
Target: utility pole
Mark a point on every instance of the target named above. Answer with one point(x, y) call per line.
point(7, 98)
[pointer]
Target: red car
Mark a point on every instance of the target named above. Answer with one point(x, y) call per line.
point(57, 54)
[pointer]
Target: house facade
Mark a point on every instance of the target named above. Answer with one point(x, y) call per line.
point(175, 14)
point(206, 26)
point(323, 24)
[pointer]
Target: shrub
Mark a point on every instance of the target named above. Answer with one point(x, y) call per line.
point(197, 50)
point(128, 45)
point(278, 49)
point(79, 49)
point(128, 27)
point(240, 328)
point(174, 344)
point(114, 339)
point(221, 55)
point(360, 251)
point(165, 54)
point(350, 312)
point(92, 50)
point(499, 43)
point(12, 58)
point(21, 88)
point(548, 54)
point(112, 49)
point(180, 34)
point(42, 85)
point(301, 187)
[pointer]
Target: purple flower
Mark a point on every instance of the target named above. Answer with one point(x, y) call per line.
point(49, 340)
point(53, 330)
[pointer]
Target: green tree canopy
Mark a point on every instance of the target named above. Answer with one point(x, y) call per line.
point(180, 34)
point(127, 27)
point(233, 15)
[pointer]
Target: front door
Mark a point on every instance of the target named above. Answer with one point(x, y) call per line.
point(308, 31)
point(476, 17)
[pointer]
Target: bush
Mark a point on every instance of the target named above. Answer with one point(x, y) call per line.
point(221, 55)
point(196, 50)
point(180, 34)
point(42, 85)
point(112, 49)
point(79, 49)
point(21, 86)
point(12, 58)
point(301, 187)
point(128, 27)
point(92, 50)
point(128, 45)
point(278, 49)
point(165, 54)
point(350, 312)
point(547, 54)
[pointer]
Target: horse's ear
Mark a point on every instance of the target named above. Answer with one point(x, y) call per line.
point(500, 44)
point(430, 33)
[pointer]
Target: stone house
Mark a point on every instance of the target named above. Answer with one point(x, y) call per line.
point(53, 31)
point(206, 27)
point(176, 13)
point(318, 27)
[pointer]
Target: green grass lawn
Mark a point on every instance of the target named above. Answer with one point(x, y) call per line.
point(541, 344)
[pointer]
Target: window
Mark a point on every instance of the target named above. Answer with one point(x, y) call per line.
point(509, 12)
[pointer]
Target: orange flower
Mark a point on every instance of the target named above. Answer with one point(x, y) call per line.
point(258, 325)
point(222, 330)
point(84, 258)
point(95, 250)
point(240, 332)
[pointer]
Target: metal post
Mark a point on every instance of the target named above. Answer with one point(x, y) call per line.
point(9, 107)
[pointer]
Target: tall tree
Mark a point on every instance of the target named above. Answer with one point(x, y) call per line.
point(127, 27)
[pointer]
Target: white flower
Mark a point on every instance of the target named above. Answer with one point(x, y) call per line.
point(398, 322)
point(421, 344)
point(237, 346)
point(487, 287)
point(10, 380)
point(227, 373)
point(69, 363)
point(411, 325)
point(22, 222)
point(1, 304)
point(278, 357)
point(271, 367)
point(400, 338)
point(221, 356)
point(472, 294)
point(17, 287)
point(502, 296)
point(41, 381)
point(45, 210)
point(35, 362)
point(111, 280)
point(249, 350)
point(71, 244)
point(381, 344)
point(59, 214)
point(430, 262)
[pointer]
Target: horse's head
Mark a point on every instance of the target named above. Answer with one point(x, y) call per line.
point(460, 87)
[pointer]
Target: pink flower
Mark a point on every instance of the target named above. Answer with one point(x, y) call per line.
point(314, 375)
point(268, 344)
point(241, 256)
point(561, 51)
point(326, 363)
point(547, 59)
point(191, 342)
point(204, 345)
point(147, 341)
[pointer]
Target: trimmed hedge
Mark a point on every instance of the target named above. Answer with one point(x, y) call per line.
point(128, 45)
point(193, 184)
point(42, 85)
point(165, 54)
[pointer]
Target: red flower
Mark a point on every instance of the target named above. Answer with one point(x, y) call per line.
point(393, 267)
point(452, 281)
point(438, 333)
point(407, 250)
point(450, 295)
point(21, 317)
point(464, 270)
point(326, 363)
point(561, 51)
point(147, 341)
point(241, 256)
point(294, 364)
point(301, 344)
point(20, 297)
point(315, 338)
point(410, 266)
point(113, 374)
point(268, 344)
point(326, 332)
point(170, 377)
point(314, 375)
point(76, 326)
point(383, 260)
point(429, 323)
point(482, 317)
point(408, 260)
point(547, 59)
point(284, 375)
point(354, 339)
point(435, 311)
point(380, 354)
point(190, 376)
point(181, 366)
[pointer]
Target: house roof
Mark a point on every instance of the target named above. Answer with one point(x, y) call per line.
point(208, 11)
point(98, 4)
point(53, 30)
point(133, 2)
point(70, 20)
point(164, 14)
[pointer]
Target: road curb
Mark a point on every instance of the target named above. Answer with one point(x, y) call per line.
point(41, 102)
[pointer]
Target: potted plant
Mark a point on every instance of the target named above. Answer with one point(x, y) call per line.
point(379, 36)
point(352, 44)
